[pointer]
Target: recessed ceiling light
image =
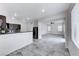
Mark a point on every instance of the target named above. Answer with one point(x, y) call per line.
point(28, 18)
point(13, 17)
point(15, 14)
point(43, 10)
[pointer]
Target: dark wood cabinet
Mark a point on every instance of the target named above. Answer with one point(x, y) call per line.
point(2, 24)
point(8, 27)
point(13, 28)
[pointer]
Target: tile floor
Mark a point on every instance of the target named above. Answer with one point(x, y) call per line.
point(50, 45)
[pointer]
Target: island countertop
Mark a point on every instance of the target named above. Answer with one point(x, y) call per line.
point(15, 33)
point(12, 42)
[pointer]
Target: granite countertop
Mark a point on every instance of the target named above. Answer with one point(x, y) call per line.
point(15, 33)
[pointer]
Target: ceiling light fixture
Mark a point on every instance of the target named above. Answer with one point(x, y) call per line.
point(52, 22)
point(15, 14)
point(43, 10)
point(28, 18)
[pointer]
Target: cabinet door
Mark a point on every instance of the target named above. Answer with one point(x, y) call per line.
point(3, 22)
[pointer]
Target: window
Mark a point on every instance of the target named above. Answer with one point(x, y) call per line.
point(49, 28)
point(60, 28)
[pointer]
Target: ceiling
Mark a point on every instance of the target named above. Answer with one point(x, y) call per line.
point(32, 10)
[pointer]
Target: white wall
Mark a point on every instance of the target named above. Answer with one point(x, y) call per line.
point(35, 23)
point(12, 42)
point(71, 34)
point(57, 19)
point(42, 29)
point(25, 26)
point(75, 23)
point(74, 42)
point(54, 29)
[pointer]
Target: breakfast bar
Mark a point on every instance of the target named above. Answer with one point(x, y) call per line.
point(14, 41)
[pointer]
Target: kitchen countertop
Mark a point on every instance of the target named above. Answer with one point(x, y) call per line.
point(15, 33)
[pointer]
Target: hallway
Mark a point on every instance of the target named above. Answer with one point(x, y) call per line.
point(50, 45)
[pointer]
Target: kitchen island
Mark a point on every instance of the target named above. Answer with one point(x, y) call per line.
point(12, 42)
